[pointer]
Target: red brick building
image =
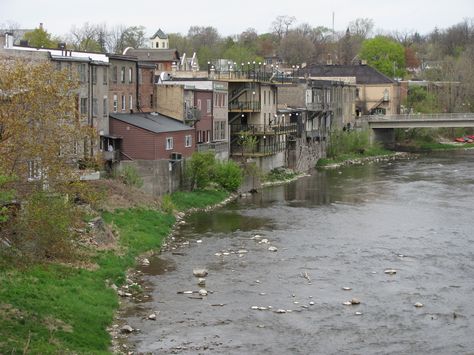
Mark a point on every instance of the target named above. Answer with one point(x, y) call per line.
point(151, 136)
point(123, 83)
point(203, 103)
point(146, 83)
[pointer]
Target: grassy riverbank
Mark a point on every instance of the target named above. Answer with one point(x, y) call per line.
point(57, 308)
point(351, 145)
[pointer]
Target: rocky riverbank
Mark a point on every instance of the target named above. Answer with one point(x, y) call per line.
point(372, 159)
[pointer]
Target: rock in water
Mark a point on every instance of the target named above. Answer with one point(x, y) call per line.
point(152, 316)
point(355, 301)
point(126, 329)
point(145, 262)
point(272, 248)
point(200, 272)
point(201, 281)
point(418, 305)
point(390, 271)
point(202, 292)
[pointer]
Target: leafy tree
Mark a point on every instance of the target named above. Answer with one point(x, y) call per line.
point(385, 55)
point(228, 175)
point(200, 169)
point(6, 196)
point(39, 125)
point(39, 38)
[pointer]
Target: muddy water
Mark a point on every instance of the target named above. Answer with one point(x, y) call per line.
point(334, 229)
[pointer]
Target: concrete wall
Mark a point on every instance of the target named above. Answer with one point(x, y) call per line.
point(306, 154)
point(160, 177)
point(370, 95)
point(269, 163)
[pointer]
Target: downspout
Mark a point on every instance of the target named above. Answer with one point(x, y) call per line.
point(137, 103)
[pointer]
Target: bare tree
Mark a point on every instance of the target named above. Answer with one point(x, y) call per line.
point(361, 27)
point(296, 49)
point(281, 25)
point(85, 38)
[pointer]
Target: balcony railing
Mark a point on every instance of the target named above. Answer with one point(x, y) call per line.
point(262, 149)
point(111, 155)
point(245, 106)
point(217, 147)
point(263, 129)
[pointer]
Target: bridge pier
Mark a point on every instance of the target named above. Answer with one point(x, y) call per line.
point(384, 136)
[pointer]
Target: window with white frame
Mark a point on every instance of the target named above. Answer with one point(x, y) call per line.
point(104, 76)
point(115, 103)
point(188, 141)
point(130, 75)
point(123, 103)
point(169, 143)
point(34, 171)
point(122, 75)
point(131, 101)
point(83, 106)
point(199, 104)
point(208, 106)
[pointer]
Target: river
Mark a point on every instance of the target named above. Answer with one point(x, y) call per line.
point(335, 229)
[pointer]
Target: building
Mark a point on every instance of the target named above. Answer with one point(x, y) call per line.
point(375, 92)
point(162, 59)
point(123, 83)
point(151, 136)
point(159, 40)
point(201, 104)
point(92, 72)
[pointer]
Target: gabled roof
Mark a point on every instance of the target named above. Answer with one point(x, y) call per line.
point(151, 122)
point(364, 74)
point(160, 34)
point(156, 55)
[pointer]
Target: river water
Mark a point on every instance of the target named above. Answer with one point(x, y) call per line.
point(335, 229)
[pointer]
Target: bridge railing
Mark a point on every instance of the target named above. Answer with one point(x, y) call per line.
point(419, 116)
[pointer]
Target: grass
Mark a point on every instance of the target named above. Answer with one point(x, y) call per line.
point(279, 174)
point(369, 152)
point(58, 309)
point(184, 200)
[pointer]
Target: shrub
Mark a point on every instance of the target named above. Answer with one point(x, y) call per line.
point(345, 142)
point(200, 170)
point(45, 227)
point(167, 205)
point(130, 177)
point(228, 175)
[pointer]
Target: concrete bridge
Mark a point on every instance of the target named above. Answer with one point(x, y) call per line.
point(382, 127)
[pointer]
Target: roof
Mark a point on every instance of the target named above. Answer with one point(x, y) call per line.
point(160, 34)
point(157, 55)
point(152, 122)
point(364, 74)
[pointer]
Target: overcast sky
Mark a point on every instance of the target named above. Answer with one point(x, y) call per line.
point(233, 17)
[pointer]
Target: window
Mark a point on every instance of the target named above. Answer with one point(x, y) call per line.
point(208, 136)
point(219, 130)
point(34, 171)
point(264, 97)
point(104, 107)
point(209, 106)
point(122, 75)
point(83, 107)
point(199, 104)
point(130, 98)
point(82, 73)
point(105, 79)
point(169, 143)
point(114, 74)
point(199, 136)
point(188, 141)
point(123, 103)
point(163, 45)
point(157, 44)
point(151, 100)
point(94, 75)
point(152, 74)
point(130, 75)
point(115, 103)
point(94, 107)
